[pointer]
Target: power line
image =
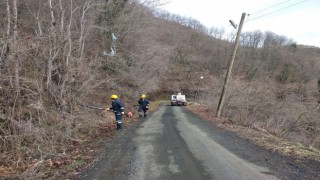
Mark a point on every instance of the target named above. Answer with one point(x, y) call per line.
point(269, 7)
point(277, 10)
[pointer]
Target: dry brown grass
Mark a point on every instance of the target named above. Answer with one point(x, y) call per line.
point(259, 133)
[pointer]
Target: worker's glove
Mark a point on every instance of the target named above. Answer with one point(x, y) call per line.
point(147, 107)
point(107, 109)
point(122, 113)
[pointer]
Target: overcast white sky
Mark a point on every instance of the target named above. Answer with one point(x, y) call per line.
point(296, 19)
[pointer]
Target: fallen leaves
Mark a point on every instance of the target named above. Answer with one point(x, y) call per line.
point(6, 171)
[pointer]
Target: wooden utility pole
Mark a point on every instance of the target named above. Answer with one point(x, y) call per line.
point(222, 97)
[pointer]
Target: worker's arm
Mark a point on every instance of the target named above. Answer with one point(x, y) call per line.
point(148, 104)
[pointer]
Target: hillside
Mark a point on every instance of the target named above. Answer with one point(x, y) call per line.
point(56, 59)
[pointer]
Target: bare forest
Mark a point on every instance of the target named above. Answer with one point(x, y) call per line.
point(59, 56)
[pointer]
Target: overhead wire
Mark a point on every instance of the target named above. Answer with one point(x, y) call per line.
point(270, 7)
point(276, 10)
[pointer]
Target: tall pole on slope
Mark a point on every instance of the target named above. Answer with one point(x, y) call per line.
point(226, 80)
point(196, 93)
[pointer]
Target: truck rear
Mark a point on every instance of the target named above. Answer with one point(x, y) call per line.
point(178, 99)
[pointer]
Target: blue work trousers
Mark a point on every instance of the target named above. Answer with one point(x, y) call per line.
point(142, 111)
point(119, 120)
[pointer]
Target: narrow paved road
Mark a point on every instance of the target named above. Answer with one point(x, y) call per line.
point(173, 143)
point(172, 146)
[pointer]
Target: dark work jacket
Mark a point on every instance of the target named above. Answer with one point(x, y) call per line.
point(117, 106)
point(143, 102)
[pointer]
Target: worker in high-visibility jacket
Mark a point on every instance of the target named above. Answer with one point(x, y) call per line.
point(118, 108)
point(143, 106)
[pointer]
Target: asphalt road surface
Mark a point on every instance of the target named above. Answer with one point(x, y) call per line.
point(173, 143)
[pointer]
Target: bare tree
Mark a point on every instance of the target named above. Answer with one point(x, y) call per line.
point(53, 52)
point(85, 8)
point(5, 47)
point(217, 33)
point(15, 46)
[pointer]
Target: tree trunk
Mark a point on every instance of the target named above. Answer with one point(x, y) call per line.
point(52, 47)
point(15, 46)
point(5, 47)
point(85, 8)
point(69, 34)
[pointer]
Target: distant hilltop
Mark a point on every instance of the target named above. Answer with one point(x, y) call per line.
point(307, 46)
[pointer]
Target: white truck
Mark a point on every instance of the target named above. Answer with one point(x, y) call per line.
point(178, 99)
